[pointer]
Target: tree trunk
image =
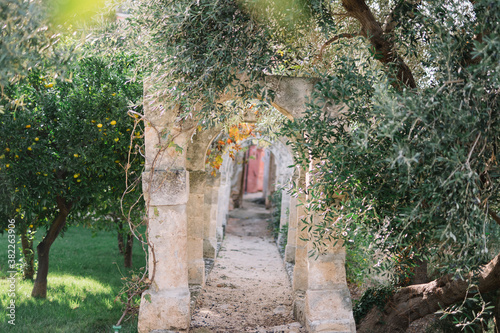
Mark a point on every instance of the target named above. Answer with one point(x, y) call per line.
point(417, 301)
point(420, 272)
point(128, 251)
point(120, 237)
point(383, 46)
point(43, 249)
point(496, 317)
point(29, 257)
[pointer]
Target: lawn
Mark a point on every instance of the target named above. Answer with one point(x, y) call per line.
point(84, 278)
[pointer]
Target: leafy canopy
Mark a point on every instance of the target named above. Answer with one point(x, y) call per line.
point(69, 139)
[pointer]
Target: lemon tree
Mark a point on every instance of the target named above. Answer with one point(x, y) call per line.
point(65, 148)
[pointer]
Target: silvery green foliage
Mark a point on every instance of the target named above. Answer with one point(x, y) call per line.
point(27, 40)
point(418, 168)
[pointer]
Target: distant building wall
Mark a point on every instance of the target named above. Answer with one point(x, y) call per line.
point(254, 181)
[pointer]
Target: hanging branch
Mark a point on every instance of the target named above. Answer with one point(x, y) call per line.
point(333, 39)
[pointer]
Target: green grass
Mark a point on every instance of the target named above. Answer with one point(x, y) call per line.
point(84, 278)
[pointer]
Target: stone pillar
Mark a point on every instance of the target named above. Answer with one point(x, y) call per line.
point(300, 273)
point(210, 216)
point(224, 195)
point(292, 231)
point(195, 216)
point(166, 304)
point(271, 182)
point(328, 306)
point(284, 216)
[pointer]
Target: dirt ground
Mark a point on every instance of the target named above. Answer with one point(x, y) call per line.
point(248, 289)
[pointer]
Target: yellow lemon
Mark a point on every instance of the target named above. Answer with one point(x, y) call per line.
point(117, 161)
point(36, 139)
point(128, 129)
point(76, 155)
point(44, 208)
point(113, 122)
point(29, 148)
point(76, 175)
point(18, 210)
point(93, 121)
point(7, 149)
point(99, 125)
point(45, 174)
point(79, 180)
point(113, 94)
point(116, 139)
point(50, 85)
point(28, 126)
point(31, 225)
point(17, 156)
point(7, 165)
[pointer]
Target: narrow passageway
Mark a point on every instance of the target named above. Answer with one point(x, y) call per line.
point(248, 289)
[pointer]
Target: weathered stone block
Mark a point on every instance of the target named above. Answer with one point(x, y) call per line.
point(329, 311)
point(161, 151)
point(196, 271)
point(165, 188)
point(300, 270)
point(299, 306)
point(168, 234)
point(326, 274)
point(167, 221)
point(197, 181)
point(209, 248)
point(165, 310)
point(290, 253)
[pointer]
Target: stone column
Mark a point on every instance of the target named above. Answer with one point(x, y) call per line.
point(292, 231)
point(271, 182)
point(285, 214)
point(166, 304)
point(195, 216)
point(210, 216)
point(300, 271)
point(328, 306)
point(224, 196)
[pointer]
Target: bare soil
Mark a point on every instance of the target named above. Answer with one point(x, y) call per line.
point(248, 289)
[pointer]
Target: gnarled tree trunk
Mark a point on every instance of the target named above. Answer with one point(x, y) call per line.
point(380, 40)
point(417, 301)
point(29, 257)
point(43, 249)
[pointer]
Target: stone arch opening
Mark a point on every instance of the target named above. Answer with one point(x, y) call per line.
point(182, 198)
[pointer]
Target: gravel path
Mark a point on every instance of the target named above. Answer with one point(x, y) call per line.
point(248, 289)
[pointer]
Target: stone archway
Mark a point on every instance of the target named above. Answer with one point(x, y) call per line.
point(184, 225)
